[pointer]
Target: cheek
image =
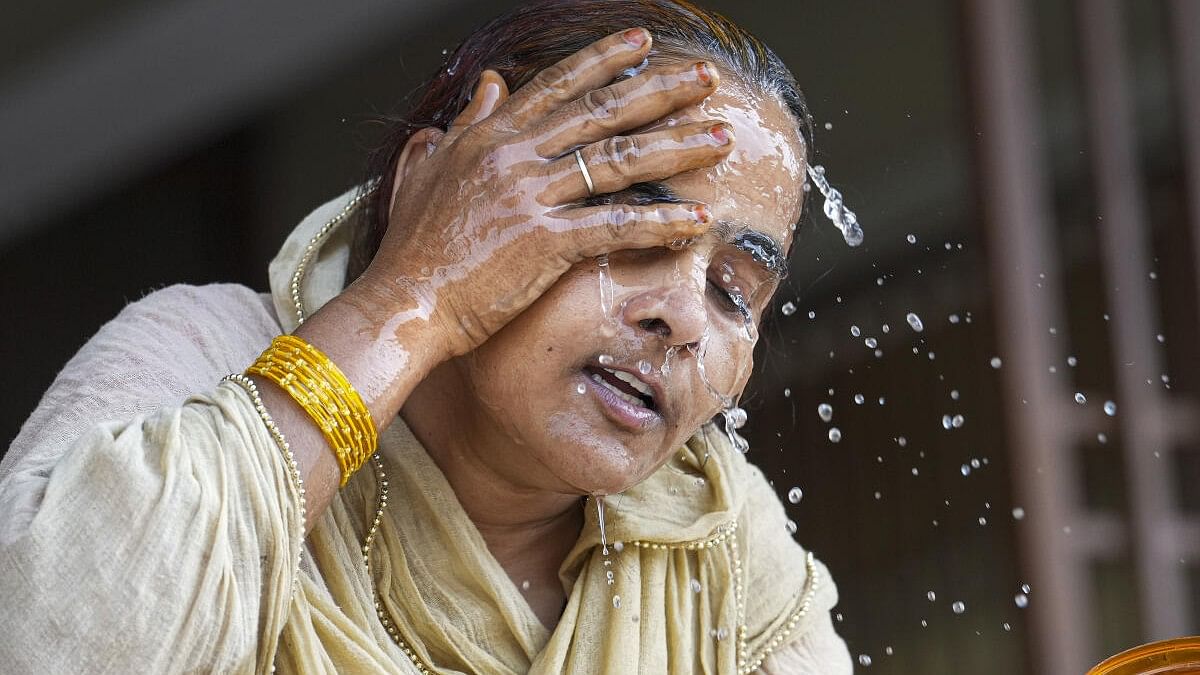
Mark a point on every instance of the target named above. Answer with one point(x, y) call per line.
point(545, 337)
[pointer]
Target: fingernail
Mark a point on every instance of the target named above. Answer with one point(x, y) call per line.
point(635, 36)
point(700, 211)
point(720, 133)
point(704, 73)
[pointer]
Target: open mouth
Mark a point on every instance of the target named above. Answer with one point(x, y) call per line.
point(623, 385)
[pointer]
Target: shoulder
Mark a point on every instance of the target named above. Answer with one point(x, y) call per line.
point(156, 351)
point(192, 321)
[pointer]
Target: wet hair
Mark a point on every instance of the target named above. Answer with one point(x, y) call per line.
point(528, 39)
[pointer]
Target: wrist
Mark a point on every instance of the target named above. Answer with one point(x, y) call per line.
point(384, 345)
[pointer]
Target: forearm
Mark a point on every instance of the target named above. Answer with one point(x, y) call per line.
point(383, 348)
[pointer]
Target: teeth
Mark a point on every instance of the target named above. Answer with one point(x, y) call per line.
point(632, 381)
point(626, 397)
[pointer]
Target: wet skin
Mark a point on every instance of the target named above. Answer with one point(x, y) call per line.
point(480, 313)
point(506, 422)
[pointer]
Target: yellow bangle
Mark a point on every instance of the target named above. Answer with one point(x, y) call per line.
point(322, 390)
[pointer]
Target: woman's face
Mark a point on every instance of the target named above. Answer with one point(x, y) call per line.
point(548, 380)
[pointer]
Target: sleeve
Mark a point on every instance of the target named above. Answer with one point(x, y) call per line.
point(789, 594)
point(141, 530)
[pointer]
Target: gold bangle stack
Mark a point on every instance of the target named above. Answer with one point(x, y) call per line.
point(320, 388)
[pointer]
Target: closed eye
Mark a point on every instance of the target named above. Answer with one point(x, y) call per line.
point(731, 300)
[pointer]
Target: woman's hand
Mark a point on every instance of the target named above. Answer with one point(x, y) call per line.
point(488, 215)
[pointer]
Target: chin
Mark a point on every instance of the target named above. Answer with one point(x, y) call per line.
point(590, 461)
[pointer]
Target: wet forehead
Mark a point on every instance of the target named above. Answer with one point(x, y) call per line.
point(760, 184)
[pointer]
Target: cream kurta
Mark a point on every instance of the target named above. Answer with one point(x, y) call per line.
point(150, 528)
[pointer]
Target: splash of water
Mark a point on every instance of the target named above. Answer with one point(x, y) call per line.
point(835, 208)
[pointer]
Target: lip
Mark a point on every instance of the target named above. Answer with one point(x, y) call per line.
point(618, 410)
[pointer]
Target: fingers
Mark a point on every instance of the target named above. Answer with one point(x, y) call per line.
point(602, 229)
point(590, 68)
point(490, 92)
point(620, 161)
point(629, 104)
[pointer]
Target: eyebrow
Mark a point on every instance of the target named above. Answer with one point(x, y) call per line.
point(762, 248)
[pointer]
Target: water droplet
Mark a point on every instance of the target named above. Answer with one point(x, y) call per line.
point(1080, 398)
point(829, 126)
point(736, 417)
point(957, 421)
point(931, 596)
point(721, 633)
point(974, 463)
point(788, 309)
point(864, 660)
point(1160, 337)
point(606, 287)
point(1021, 600)
point(790, 526)
point(1072, 361)
point(525, 585)
point(1018, 513)
point(835, 434)
point(912, 238)
point(581, 388)
point(914, 322)
point(958, 607)
point(795, 495)
point(1102, 437)
point(996, 362)
point(870, 343)
point(965, 470)
point(887, 650)
point(695, 584)
point(605, 360)
point(787, 393)
point(854, 331)
point(982, 520)
point(1007, 627)
point(812, 314)
point(885, 328)
point(947, 421)
point(954, 394)
point(1110, 408)
point(859, 399)
point(825, 412)
point(616, 602)
point(954, 318)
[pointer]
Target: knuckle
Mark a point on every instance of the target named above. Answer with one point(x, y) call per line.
point(601, 105)
point(619, 152)
point(559, 79)
point(616, 221)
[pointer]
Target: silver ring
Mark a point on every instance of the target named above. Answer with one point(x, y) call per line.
point(587, 177)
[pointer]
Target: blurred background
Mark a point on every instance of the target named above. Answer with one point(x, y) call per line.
point(1015, 488)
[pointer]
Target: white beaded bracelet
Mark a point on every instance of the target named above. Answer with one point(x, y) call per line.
point(297, 482)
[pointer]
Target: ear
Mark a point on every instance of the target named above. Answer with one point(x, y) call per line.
point(420, 147)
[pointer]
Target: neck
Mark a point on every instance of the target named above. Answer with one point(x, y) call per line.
point(529, 530)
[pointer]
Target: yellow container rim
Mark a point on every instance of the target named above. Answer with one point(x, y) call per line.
point(1166, 656)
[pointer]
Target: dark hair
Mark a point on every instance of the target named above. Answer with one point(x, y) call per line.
point(524, 41)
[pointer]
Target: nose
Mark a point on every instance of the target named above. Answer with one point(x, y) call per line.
point(674, 314)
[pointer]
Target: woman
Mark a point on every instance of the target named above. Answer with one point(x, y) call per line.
point(542, 299)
